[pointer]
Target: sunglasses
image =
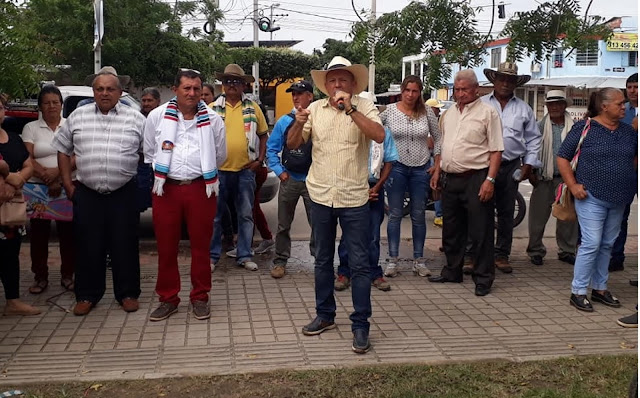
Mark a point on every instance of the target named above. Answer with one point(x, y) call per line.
point(229, 82)
point(190, 70)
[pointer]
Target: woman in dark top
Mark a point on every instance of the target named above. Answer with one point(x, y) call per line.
point(15, 155)
point(605, 180)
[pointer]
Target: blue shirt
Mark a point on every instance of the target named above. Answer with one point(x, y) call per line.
point(629, 113)
point(390, 153)
point(520, 133)
point(275, 144)
point(606, 163)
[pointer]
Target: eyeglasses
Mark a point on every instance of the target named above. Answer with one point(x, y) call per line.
point(229, 82)
point(190, 70)
point(299, 85)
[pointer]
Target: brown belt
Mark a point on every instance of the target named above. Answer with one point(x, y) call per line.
point(182, 182)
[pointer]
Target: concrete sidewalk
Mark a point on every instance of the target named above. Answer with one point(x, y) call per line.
point(256, 322)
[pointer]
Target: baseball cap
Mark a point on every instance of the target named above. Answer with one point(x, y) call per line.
point(301, 87)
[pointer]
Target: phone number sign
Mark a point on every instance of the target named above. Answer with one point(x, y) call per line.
point(623, 42)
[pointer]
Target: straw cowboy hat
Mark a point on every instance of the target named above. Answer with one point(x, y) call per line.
point(359, 72)
point(508, 69)
point(108, 70)
point(556, 96)
point(234, 71)
point(434, 103)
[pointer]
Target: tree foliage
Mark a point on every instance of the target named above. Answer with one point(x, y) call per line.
point(551, 25)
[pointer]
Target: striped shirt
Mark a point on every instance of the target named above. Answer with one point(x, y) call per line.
point(106, 146)
point(339, 172)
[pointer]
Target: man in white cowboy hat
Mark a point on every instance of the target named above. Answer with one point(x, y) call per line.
point(522, 139)
point(435, 105)
point(341, 128)
point(185, 142)
point(106, 138)
point(554, 127)
point(246, 135)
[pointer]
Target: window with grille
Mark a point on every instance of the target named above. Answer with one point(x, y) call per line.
point(633, 58)
point(558, 58)
point(588, 56)
point(495, 57)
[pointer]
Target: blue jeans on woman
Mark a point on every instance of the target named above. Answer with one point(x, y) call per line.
point(414, 180)
point(600, 225)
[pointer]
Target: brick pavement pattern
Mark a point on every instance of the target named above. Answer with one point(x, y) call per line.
point(256, 322)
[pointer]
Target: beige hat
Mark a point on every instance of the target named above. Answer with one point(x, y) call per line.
point(434, 103)
point(509, 69)
point(556, 96)
point(234, 71)
point(368, 95)
point(360, 74)
point(107, 70)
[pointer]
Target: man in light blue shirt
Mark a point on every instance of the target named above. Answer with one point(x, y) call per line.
point(522, 141)
point(292, 171)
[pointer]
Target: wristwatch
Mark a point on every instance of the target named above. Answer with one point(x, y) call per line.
point(350, 111)
point(491, 179)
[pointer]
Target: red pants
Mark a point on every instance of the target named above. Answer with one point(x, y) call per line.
point(258, 216)
point(40, 231)
point(180, 203)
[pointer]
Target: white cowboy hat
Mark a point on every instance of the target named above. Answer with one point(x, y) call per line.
point(509, 69)
point(360, 74)
point(434, 103)
point(368, 95)
point(557, 95)
point(108, 70)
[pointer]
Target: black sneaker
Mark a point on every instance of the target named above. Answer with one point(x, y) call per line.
point(201, 309)
point(605, 298)
point(616, 265)
point(581, 302)
point(164, 311)
point(360, 341)
point(317, 326)
point(567, 258)
point(536, 260)
point(630, 321)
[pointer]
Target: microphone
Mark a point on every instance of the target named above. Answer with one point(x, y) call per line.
point(340, 101)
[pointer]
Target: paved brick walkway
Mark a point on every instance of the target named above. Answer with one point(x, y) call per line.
point(256, 322)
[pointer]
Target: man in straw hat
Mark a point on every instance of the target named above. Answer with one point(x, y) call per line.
point(521, 139)
point(554, 127)
point(246, 135)
point(106, 138)
point(341, 128)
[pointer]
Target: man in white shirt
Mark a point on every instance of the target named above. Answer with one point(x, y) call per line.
point(185, 142)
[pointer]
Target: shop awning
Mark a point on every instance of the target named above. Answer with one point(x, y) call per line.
point(581, 82)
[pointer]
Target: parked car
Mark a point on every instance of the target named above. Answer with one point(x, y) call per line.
point(270, 187)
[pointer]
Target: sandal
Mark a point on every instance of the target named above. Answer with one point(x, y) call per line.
point(67, 283)
point(38, 287)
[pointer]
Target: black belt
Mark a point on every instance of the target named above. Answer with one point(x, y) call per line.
point(464, 174)
point(183, 182)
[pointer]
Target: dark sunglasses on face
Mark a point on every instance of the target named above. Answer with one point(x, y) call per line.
point(229, 82)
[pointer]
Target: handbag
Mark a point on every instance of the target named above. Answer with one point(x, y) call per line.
point(563, 207)
point(13, 212)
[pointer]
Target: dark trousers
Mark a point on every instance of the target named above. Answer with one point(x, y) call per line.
point(354, 222)
point(505, 203)
point(617, 253)
point(40, 233)
point(106, 224)
point(10, 266)
point(259, 219)
point(465, 215)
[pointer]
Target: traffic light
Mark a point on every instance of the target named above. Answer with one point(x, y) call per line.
point(264, 24)
point(501, 11)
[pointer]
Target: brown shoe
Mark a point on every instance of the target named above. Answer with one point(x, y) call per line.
point(38, 286)
point(201, 310)
point(503, 265)
point(83, 307)
point(278, 271)
point(381, 284)
point(467, 267)
point(17, 307)
point(130, 304)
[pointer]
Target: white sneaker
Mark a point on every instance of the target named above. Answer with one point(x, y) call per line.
point(392, 268)
point(420, 268)
point(213, 266)
point(234, 252)
point(265, 246)
point(250, 265)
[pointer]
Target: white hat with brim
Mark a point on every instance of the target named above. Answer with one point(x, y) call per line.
point(434, 103)
point(557, 96)
point(107, 70)
point(507, 69)
point(368, 95)
point(234, 71)
point(360, 74)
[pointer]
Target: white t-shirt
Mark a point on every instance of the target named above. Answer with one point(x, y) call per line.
point(40, 135)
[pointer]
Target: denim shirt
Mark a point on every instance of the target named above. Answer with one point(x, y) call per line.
point(275, 144)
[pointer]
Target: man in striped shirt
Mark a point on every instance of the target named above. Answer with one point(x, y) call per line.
point(106, 137)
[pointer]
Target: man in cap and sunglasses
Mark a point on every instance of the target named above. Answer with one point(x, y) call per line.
point(554, 127)
point(341, 128)
point(246, 135)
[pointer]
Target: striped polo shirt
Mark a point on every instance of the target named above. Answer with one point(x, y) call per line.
point(106, 146)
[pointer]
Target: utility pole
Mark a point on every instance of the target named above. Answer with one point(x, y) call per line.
point(271, 18)
point(372, 60)
point(98, 32)
point(256, 44)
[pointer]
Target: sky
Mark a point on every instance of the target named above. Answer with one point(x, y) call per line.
point(315, 21)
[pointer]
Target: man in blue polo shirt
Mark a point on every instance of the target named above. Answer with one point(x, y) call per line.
point(292, 176)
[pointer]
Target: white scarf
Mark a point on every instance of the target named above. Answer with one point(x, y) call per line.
point(164, 148)
point(546, 150)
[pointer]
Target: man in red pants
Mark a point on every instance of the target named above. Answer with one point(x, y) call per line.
point(186, 143)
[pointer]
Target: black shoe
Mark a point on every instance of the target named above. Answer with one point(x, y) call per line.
point(567, 258)
point(442, 279)
point(317, 326)
point(630, 321)
point(605, 298)
point(360, 341)
point(482, 290)
point(633, 283)
point(581, 302)
point(616, 265)
point(536, 260)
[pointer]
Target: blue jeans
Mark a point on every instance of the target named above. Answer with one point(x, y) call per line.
point(617, 253)
point(600, 225)
point(376, 215)
point(354, 222)
point(415, 180)
point(239, 187)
